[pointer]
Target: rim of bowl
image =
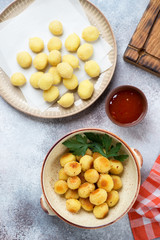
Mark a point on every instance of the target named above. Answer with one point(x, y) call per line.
point(126, 87)
point(131, 152)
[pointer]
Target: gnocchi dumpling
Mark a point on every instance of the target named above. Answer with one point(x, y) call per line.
point(96, 155)
point(71, 194)
point(56, 27)
point(92, 68)
point(60, 187)
point(91, 176)
point(65, 70)
point(62, 175)
point(117, 182)
point(71, 83)
point(116, 167)
point(72, 168)
point(72, 60)
point(113, 198)
point(90, 34)
point(56, 75)
point(45, 81)
point(102, 164)
point(88, 152)
point(74, 182)
point(98, 196)
point(54, 44)
point(66, 100)
point(24, 59)
point(34, 79)
point(85, 189)
point(54, 57)
point(73, 205)
point(86, 204)
point(85, 51)
point(105, 181)
point(36, 44)
point(66, 158)
point(51, 94)
point(18, 79)
point(86, 162)
point(72, 42)
point(40, 61)
point(101, 211)
point(85, 89)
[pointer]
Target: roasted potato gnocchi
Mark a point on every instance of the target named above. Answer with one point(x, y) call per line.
point(113, 198)
point(101, 211)
point(116, 167)
point(98, 196)
point(86, 204)
point(85, 189)
point(91, 176)
point(86, 162)
point(72, 168)
point(117, 182)
point(62, 175)
point(71, 194)
point(60, 187)
point(66, 158)
point(73, 205)
point(74, 182)
point(102, 164)
point(106, 182)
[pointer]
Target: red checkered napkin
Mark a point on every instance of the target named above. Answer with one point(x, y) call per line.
point(145, 214)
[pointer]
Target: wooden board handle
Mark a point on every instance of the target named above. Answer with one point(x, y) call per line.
point(144, 27)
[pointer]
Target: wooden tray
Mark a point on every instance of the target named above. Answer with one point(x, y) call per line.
point(14, 95)
point(144, 47)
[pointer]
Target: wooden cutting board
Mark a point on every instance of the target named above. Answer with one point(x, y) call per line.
point(144, 47)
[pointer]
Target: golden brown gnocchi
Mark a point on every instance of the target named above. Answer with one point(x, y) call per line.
point(71, 194)
point(60, 187)
point(101, 211)
point(98, 196)
point(113, 198)
point(73, 205)
point(86, 162)
point(72, 168)
point(106, 182)
point(86, 204)
point(74, 182)
point(85, 189)
point(66, 158)
point(102, 164)
point(116, 167)
point(117, 182)
point(91, 176)
point(62, 175)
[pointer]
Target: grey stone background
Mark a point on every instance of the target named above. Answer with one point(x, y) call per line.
point(24, 142)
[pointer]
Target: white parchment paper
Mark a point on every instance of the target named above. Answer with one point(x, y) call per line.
point(34, 21)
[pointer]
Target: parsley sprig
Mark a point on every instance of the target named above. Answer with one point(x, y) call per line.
point(101, 143)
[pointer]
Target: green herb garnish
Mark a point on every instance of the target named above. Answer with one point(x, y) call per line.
point(101, 143)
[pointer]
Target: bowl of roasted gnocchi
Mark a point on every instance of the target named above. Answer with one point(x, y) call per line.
point(90, 178)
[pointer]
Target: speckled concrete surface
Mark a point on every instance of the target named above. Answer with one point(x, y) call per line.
point(24, 142)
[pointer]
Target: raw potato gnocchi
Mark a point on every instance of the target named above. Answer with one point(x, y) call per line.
point(71, 83)
point(65, 70)
point(45, 81)
point(18, 79)
point(85, 51)
point(36, 44)
point(72, 60)
point(66, 100)
point(92, 68)
point(72, 42)
point(56, 75)
point(85, 89)
point(56, 28)
point(24, 59)
point(34, 79)
point(90, 34)
point(51, 94)
point(54, 44)
point(54, 57)
point(40, 61)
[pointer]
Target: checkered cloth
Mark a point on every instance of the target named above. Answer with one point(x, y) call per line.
point(145, 214)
